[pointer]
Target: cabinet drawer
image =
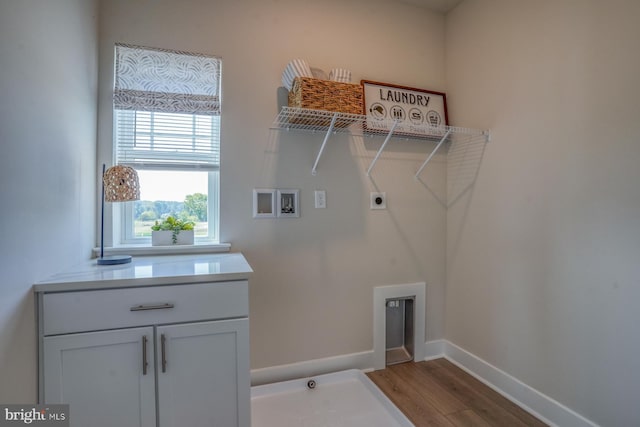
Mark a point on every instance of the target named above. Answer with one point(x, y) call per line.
point(68, 312)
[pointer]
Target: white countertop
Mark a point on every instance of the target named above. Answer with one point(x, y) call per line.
point(150, 271)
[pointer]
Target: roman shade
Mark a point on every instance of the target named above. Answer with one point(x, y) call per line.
point(167, 109)
point(150, 79)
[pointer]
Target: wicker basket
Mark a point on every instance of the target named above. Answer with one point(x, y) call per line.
point(326, 95)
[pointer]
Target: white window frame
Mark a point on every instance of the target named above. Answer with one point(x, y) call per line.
point(198, 93)
point(127, 222)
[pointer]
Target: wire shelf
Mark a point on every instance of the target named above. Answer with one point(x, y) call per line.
point(327, 122)
point(304, 119)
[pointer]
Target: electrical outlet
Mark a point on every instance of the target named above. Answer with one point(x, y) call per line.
point(378, 200)
point(320, 199)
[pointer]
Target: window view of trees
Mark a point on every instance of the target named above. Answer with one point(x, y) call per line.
point(195, 205)
point(193, 208)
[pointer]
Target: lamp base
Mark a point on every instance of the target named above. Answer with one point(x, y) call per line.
point(114, 259)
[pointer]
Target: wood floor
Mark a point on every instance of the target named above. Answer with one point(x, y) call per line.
point(438, 393)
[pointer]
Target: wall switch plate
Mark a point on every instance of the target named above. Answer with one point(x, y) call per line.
point(320, 199)
point(378, 200)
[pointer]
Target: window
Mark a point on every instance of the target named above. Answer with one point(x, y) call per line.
point(167, 127)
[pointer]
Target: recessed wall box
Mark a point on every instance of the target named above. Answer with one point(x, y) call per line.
point(264, 203)
point(399, 334)
point(288, 205)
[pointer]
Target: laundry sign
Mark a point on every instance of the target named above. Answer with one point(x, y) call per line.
point(409, 111)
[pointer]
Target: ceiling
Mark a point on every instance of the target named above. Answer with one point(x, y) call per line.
point(442, 6)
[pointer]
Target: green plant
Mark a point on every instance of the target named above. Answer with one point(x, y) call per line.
point(174, 225)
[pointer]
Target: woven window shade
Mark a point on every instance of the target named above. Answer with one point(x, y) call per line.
point(151, 79)
point(167, 109)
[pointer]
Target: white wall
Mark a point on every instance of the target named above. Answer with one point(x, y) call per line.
point(541, 256)
point(48, 92)
point(311, 295)
point(543, 278)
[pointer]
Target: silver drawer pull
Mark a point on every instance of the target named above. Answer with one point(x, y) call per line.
point(144, 355)
point(142, 307)
point(163, 351)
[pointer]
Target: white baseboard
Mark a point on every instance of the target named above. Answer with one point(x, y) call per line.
point(308, 368)
point(363, 361)
point(531, 400)
point(434, 349)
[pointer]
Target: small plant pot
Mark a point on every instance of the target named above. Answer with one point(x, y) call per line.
point(165, 238)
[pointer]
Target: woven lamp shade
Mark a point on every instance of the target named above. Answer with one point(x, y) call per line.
point(121, 184)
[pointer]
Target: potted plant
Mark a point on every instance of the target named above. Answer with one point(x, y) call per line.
point(172, 231)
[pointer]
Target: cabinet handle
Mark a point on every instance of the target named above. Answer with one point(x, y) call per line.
point(144, 355)
point(163, 352)
point(142, 307)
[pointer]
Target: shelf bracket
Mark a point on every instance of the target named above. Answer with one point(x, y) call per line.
point(444, 138)
point(384, 144)
point(314, 170)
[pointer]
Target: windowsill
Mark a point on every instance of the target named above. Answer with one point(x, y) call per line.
point(164, 250)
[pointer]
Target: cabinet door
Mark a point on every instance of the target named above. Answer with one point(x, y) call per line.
point(203, 374)
point(102, 378)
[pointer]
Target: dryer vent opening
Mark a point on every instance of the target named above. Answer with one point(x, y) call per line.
point(399, 330)
point(398, 323)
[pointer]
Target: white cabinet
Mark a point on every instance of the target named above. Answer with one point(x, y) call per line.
point(100, 375)
point(198, 373)
point(145, 356)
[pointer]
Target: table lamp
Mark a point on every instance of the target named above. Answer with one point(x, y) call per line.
point(119, 184)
